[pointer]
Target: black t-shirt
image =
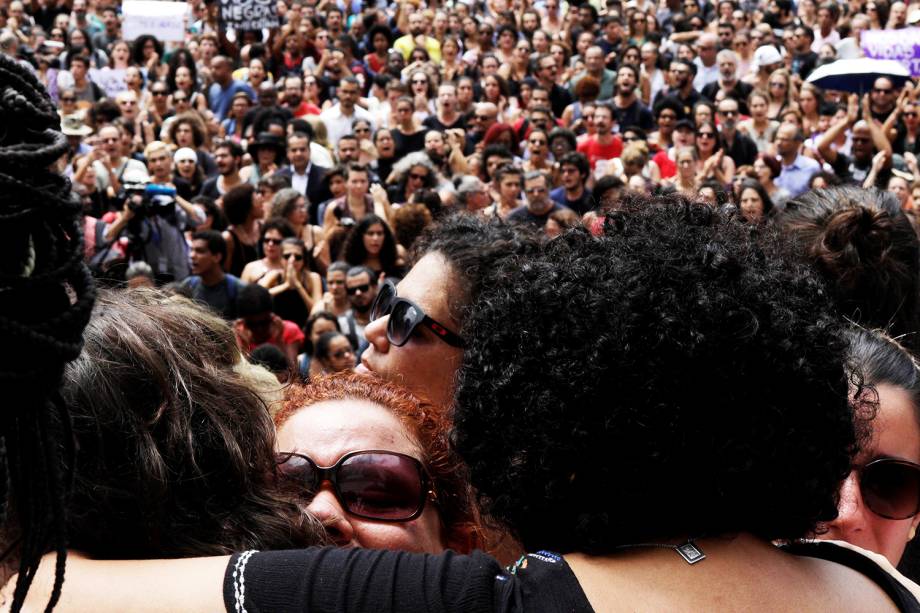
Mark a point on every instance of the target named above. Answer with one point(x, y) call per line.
point(804, 63)
point(359, 580)
point(290, 306)
point(742, 151)
point(433, 123)
point(852, 172)
point(739, 93)
point(636, 114)
point(523, 215)
point(559, 98)
point(407, 143)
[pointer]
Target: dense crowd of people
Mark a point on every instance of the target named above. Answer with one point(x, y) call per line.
point(483, 306)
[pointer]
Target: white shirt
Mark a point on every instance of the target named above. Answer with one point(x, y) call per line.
point(832, 39)
point(339, 125)
point(321, 155)
point(298, 181)
point(704, 76)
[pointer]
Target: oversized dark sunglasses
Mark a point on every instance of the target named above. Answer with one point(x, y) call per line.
point(380, 485)
point(890, 488)
point(405, 317)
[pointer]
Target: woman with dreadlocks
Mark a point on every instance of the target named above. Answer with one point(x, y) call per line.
point(46, 295)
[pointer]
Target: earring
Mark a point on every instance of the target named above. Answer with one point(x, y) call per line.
point(913, 533)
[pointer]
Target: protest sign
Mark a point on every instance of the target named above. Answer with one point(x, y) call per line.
point(111, 80)
point(164, 20)
point(248, 14)
point(900, 45)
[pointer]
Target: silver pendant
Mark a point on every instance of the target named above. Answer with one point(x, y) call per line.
point(690, 552)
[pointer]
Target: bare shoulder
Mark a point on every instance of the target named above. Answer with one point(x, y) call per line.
point(734, 576)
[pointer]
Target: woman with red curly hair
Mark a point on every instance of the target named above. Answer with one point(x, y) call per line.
point(502, 134)
point(375, 466)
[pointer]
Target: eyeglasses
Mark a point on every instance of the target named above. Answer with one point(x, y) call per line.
point(910, 114)
point(359, 288)
point(380, 485)
point(405, 317)
point(705, 135)
point(297, 256)
point(68, 99)
point(890, 488)
point(417, 177)
point(159, 93)
point(728, 113)
point(881, 90)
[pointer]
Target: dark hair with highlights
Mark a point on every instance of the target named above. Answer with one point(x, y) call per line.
point(678, 375)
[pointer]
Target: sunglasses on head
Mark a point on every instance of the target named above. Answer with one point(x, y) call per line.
point(405, 317)
point(890, 488)
point(381, 485)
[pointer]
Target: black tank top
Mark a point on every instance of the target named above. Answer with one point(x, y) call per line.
point(242, 255)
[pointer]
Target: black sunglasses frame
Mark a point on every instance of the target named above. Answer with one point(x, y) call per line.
point(386, 302)
point(874, 464)
point(331, 474)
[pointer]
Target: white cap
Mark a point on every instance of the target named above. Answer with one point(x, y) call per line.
point(767, 55)
point(185, 153)
point(134, 175)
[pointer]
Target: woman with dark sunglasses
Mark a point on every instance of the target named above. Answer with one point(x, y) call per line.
point(391, 479)
point(879, 506)
point(450, 260)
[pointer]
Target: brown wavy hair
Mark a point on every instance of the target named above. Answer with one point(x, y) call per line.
point(175, 450)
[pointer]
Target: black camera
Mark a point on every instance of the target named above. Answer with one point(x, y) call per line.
point(149, 200)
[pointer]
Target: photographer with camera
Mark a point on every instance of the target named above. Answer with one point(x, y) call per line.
point(109, 162)
point(153, 218)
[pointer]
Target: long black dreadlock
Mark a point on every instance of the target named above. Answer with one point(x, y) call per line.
point(46, 296)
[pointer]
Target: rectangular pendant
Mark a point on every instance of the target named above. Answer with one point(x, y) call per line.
point(691, 553)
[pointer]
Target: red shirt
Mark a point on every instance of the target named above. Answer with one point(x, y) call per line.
point(666, 165)
point(594, 151)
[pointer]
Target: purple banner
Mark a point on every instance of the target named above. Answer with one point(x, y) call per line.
point(899, 45)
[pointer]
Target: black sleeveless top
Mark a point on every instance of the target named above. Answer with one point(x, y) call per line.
point(242, 255)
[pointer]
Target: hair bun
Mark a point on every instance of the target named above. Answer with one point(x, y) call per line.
point(856, 236)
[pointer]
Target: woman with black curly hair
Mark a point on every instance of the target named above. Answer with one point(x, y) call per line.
point(618, 404)
point(372, 244)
